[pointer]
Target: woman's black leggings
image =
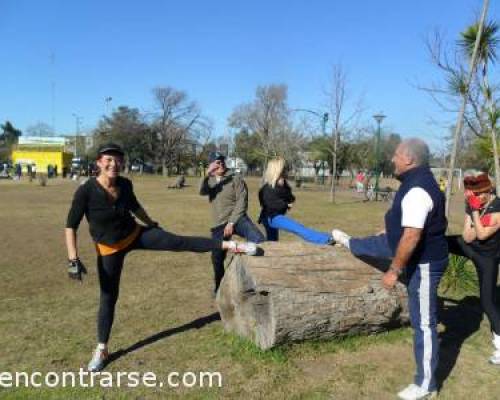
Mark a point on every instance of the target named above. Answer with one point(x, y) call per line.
point(110, 268)
point(487, 272)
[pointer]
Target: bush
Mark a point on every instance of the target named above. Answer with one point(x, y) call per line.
point(460, 276)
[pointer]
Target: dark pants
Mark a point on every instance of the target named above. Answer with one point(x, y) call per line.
point(244, 228)
point(487, 273)
point(423, 281)
point(110, 268)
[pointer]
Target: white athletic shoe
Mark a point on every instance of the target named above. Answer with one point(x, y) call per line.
point(415, 392)
point(98, 360)
point(341, 237)
point(248, 248)
point(495, 358)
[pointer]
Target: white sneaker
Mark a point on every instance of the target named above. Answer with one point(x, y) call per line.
point(496, 341)
point(248, 248)
point(415, 392)
point(495, 358)
point(98, 361)
point(341, 237)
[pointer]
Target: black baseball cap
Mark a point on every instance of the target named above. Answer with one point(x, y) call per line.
point(216, 156)
point(110, 148)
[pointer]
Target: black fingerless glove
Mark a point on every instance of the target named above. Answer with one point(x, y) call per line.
point(76, 269)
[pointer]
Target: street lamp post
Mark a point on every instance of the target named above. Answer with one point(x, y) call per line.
point(379, 118)
point(323, 131)
point(107, 100)
point(324, 120)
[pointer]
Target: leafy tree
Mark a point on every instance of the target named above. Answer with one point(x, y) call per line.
point(126, 127)
point(246, 147)
point(486, 56)
point(10, 135)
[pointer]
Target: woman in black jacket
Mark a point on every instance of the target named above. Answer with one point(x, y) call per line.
point(109, 204)
point(276, 199)
point(480, 242)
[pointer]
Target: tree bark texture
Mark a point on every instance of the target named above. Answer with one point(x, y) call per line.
point(296, 291)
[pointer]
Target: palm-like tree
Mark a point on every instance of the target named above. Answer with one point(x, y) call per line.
point(486, 56)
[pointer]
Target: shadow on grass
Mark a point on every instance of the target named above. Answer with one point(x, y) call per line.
point(461, 319)
point(195, 324)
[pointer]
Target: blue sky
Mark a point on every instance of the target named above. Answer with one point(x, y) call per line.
point(219, 52)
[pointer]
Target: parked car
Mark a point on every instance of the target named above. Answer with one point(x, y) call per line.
point(146, 167)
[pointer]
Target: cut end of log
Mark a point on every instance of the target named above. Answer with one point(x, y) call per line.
point(245, 307)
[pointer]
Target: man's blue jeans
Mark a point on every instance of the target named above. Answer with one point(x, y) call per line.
point(273, 225)
point(244, 228)
point(423, 281)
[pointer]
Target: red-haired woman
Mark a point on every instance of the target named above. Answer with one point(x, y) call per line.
point(480, 242)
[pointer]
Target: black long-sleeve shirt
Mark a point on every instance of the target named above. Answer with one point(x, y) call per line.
point(274, 201)
point(109, 221)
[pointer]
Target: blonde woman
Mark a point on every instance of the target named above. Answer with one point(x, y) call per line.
point(276, 199)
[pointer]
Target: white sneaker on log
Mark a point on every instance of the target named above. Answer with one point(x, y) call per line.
point(248, 248)
point(415, 392)
point(341, 237)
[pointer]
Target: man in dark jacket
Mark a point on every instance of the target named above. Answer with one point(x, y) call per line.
point(414, 241)
point(228, 195)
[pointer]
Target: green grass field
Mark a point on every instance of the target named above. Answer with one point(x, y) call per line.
point(167, 321)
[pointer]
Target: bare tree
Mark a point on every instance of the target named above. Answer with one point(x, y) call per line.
point(178, 119)
point(343, 120)
point(268, 117)
point(39, 129)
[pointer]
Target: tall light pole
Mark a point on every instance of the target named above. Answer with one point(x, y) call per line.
point(78, 120)
point(379, 118)
point(324, 120)
point(107, 100)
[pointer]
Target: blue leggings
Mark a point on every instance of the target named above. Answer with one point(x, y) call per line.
point(274, 224)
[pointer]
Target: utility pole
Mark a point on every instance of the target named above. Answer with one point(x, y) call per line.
point(78, 120)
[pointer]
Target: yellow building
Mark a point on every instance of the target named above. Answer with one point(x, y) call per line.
point(42, 156)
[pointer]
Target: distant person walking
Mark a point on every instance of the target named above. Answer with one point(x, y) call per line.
point(276, 199)
point(480, 242)
point(110, 205)
point(19, 171)
point(360, 182)
point(228, 195)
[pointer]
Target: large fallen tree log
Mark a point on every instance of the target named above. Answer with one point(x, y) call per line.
point(297, 292)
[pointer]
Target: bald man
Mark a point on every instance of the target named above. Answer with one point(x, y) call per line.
point(414, 242)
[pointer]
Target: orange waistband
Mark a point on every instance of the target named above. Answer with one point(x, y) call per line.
point(108, 249)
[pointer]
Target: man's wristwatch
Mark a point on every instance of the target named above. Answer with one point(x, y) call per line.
point(397, 271)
